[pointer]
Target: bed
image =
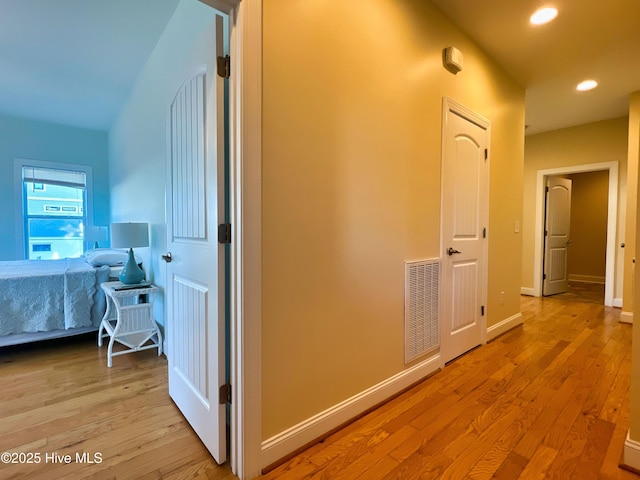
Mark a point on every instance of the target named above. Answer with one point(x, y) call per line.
point(42, 299)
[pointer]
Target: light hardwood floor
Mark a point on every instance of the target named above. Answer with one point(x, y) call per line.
point(549, 399)
point(60, 398)
point(584, 292)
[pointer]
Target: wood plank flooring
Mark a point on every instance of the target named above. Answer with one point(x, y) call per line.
point(549, 399)
point(60, 398)
point(583, 292)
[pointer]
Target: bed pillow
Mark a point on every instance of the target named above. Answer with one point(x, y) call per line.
point(107, 256)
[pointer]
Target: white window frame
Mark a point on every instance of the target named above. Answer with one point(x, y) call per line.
point(20, 207)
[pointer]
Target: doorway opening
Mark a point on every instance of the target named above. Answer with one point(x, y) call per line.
point(579, 240)
point(612, 210)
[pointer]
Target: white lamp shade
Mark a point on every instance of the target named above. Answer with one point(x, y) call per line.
point(129, 235)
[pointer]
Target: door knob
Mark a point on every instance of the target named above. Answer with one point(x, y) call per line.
point(167, 258)
point(451, 251)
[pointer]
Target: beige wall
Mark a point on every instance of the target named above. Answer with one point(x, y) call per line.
point(597, 142)
point(632, 199)
point(352, 105)
point(633, 208)
point(588, 229)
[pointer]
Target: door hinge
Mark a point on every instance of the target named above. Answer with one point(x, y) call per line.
point(482, 310)
point(224, 233)
point(484, 232)
point(224, 66)
point(486, 153)
point(225, 393)
point(544, 276)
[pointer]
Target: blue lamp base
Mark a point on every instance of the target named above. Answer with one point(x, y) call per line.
point(131, 273)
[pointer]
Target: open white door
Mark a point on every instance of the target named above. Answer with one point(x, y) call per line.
point(556, 239)
point(195, 266)
point(465, 199)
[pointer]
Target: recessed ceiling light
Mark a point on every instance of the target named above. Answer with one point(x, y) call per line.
point(543, 15)
point(586, 85)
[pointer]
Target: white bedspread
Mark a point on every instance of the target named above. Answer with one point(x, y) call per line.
point(43, 295)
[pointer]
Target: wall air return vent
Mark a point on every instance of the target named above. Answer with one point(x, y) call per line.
point(421, 310)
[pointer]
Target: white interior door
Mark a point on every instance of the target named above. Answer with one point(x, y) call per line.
point(195, 270)
point(556, 239)
point(465, 198)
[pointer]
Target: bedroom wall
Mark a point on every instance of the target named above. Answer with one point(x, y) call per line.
point(137, 140)
point(586, 259)
point(597, 142)
point(352, 102)
point(37, 140)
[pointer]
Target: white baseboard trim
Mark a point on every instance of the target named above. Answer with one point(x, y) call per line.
point(626, 317)
point(288, 441)
point(504, 326)
point(586, 278)
point(617, 302)
point(527, 291)
point(631, 453)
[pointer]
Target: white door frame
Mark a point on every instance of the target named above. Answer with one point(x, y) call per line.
point(612, 221)
point(245, 166)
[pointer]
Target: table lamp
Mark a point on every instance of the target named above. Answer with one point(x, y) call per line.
point(130, 235)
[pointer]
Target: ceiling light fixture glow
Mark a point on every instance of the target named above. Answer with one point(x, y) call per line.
point(587, 85)
point(543, 15)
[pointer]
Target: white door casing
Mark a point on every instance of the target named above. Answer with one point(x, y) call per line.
point(465, 200)
point(195, 272)
point(245, 133)
point(557, 239)
point(612, 233)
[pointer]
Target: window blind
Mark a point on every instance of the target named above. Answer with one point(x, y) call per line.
point(66, 178)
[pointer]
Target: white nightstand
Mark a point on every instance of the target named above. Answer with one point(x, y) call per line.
point(129, 319)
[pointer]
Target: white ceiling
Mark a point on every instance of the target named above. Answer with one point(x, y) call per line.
point(74, 61)
point(597, 39)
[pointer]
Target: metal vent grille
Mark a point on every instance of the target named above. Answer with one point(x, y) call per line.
point(421, 311)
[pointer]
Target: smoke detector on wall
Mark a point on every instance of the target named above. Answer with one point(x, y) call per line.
point(453, 59)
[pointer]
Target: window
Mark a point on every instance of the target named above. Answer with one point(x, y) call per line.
point(54, 199)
